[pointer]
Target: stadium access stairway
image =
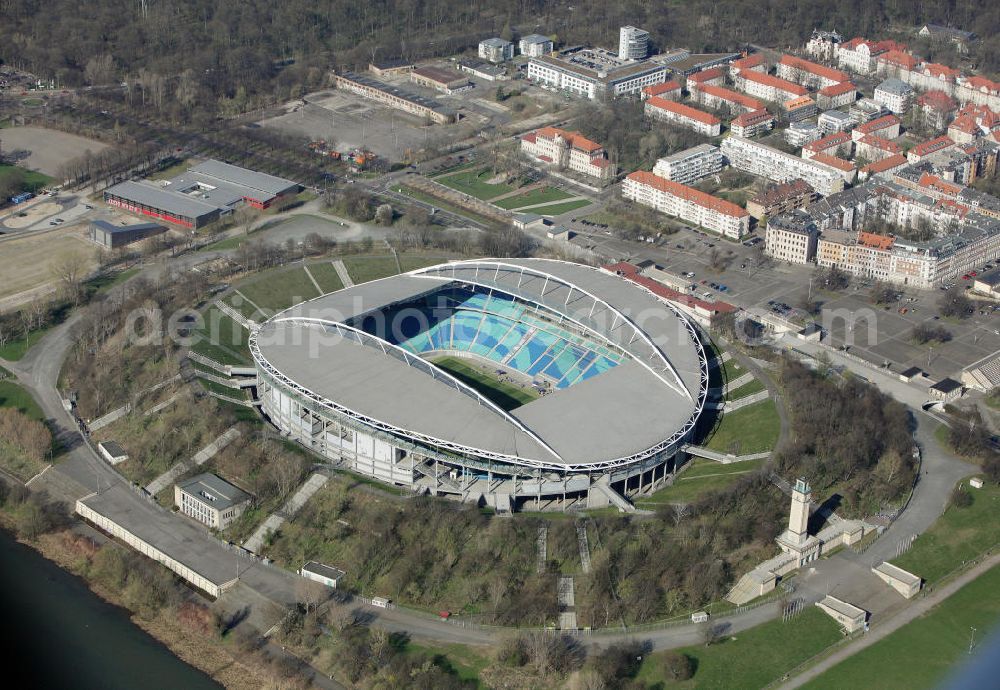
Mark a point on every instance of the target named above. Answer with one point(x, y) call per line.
point(603, 486)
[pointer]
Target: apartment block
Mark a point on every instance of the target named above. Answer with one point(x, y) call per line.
point(767, 87)
point(688, 204)
point(535, 45)
point(791, 238)
point(781, 198)
point(809, 74)
point(668, 111)
point(496, 50)
point(725, 99)
point(837, 95)
point(753, 123)
point(886, 127)
point(895, 95)
point(838, 144)
point(764, 161)
point(690, 165)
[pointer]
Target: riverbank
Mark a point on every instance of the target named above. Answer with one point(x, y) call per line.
point(185, 627)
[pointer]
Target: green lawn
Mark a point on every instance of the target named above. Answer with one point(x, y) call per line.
point(466, 662)
point(752, 429)
point(922, 653)
point(505, 395)
point(280, 290)
point(474, 183)
point(454, 169)
point(535, 196)
point(731, 369)
point(752, 658)
point(702, 477)
point(960, 534)
point(15, 348)
point(32, 180)
point(326, 275)
point(557, 209)
point(365, 268)
point(12, 395)
point(442, 204)
point(746, 389)
point(222, 339)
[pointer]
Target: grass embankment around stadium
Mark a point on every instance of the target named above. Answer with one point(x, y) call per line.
point(751, 429)
point(702, 477)
point(506, 395)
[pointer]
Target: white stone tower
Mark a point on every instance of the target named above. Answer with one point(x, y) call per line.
point(798, 516)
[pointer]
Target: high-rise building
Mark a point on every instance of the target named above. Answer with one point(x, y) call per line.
point(633, 43)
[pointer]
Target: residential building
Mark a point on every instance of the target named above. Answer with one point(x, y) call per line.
point(394, 97)
point(837, 95)
point(896, 63)
point(895, 95)
point(781, 198)
point(973, 121)
point(886, 166)
point(669, 90)
point(978, 90)
point(798, 109)
point(755, 62)
point(724, 99)
point(568, 151)
point(791, 238)
point(716, 76)
point(751, 124)
point(832, 144)
point(767, 87)
point(757, 159)
point(937, 108)
point(988, 284)
point(690, 165)
point(963, 129)
point(874, 148)
point(688, 204)
point(936, 145)
point(810, 74)
point(535, 45)
point(831, 121)
point(801, 133)
point(633, 43)
point(858, 55)
point(496, 50)
point(594, 73)
point(867, 109)
point(846, 169)
point(443, 79)
point(211, 500)
point(886, 127)
point(111, 236)
point(684, 115)
point(823, 45)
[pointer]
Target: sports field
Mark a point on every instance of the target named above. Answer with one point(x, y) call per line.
point(507, 396)
point(49, 148)
point(27, 265)
point(559, 209)
point(535, 196)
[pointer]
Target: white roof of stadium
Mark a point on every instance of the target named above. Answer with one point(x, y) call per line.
point(610, 419)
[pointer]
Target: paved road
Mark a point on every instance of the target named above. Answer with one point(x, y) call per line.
point(39, 372)
point(918, 608)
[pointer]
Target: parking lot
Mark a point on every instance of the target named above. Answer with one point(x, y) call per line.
point(752, 280)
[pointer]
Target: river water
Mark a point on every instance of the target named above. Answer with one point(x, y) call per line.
point(62, 635)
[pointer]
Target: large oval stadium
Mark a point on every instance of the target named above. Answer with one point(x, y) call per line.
point(512, 382)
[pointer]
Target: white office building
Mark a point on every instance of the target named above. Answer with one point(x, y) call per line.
point(496, 50)
point(633, 43)
point(535, 45)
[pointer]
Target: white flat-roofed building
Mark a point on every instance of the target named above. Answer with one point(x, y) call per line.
point(690, 165)
point(594, 73)
point(210, 500)
point(633, 43)
point(832, 121)
point(322, 573)
point(895, 95)
point(496, 50)
point(764, 161)
point(850, 617)
point(663, 110)
point(535, 45)
point(801, 133)
point(688, 204)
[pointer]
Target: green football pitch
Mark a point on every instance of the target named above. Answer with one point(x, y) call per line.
point(506, 395)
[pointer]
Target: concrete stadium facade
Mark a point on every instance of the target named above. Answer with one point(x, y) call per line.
point(376, 404)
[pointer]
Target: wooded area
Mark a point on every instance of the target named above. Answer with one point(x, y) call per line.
point(230, 54)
